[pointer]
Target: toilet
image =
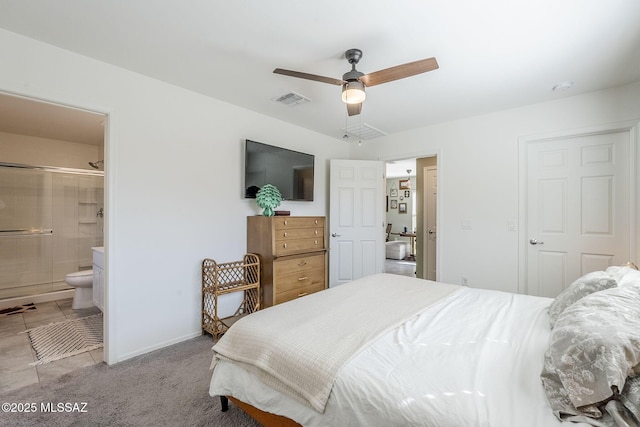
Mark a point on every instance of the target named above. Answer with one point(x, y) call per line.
point(83, 282)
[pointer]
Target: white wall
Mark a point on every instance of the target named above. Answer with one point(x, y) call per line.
point(399, 221)
point(173, 181)
point(478, 176)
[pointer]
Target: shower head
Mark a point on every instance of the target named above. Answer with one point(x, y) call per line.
point(95, 164)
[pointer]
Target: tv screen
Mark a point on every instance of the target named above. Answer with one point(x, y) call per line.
point(290, 171)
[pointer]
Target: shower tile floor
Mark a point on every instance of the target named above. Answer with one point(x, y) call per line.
point(16, 352)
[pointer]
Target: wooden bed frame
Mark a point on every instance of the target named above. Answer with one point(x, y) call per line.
point(265, 419)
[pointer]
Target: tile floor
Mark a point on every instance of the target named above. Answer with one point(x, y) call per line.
point(16, 352)
point(401, 267)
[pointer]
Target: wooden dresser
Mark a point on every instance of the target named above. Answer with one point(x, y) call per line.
point(293, 255)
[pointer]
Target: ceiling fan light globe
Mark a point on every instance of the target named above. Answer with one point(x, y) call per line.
point(353, 92)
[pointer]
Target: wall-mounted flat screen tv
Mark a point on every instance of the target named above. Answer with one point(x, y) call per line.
point(290, 171)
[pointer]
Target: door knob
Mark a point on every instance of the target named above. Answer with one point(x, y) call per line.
point(430, 231)
point(535, 242)
point(335, 235)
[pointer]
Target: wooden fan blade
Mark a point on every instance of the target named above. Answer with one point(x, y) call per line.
point(399, 72)
point(307, 76)
point(354, 109)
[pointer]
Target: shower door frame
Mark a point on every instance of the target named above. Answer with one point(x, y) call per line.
point(42, 284)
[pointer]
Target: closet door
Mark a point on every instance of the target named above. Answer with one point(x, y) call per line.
point(578, 208)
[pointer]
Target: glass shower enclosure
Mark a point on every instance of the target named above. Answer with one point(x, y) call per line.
point(50, 218)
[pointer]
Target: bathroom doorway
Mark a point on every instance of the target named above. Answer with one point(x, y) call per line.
point(52, 207)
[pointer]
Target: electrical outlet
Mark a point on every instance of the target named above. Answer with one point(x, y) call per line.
point(465, 280)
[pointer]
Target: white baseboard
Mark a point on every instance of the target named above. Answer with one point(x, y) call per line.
point(158, 346)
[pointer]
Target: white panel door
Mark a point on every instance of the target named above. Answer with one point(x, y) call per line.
point(431, 229)
point(356, 220)
point(578, 208)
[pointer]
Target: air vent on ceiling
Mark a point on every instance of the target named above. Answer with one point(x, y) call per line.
point(363, 131)
point(292, 99)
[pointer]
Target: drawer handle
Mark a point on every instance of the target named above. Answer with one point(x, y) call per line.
point(284, 234)
point(302, 263)
point(316, 231)
point(284, 245)
point(286, 222)
point(316, 221)
point(300, 279)
point(302, 294)
point(315, 242)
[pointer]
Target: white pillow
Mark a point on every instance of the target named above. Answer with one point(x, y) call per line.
point(625, 276)
point(596, 345)
point(586, 285)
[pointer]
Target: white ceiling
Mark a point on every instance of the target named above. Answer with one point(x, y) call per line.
point(493, 55)
point(24, 116)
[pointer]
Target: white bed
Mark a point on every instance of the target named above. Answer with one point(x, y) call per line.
point(471, 358)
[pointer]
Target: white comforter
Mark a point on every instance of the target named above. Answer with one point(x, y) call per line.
point(298, 348)
point(472, 359)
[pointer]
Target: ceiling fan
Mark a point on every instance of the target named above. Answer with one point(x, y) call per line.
point(354, 82)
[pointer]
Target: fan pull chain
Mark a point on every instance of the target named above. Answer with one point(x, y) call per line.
point(346, 133)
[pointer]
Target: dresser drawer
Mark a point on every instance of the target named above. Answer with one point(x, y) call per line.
point(288, 282)
point(297, 293)
point(287, 247)
point(298, 233)
point(284, 266)
point(280, 223)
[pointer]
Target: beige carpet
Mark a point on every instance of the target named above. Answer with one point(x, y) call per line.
point(168, 387)
point(64, 339)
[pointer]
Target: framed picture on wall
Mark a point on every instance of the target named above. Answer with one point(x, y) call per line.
point(394, 204)
point(405, 184)
point(402, 208)
point(393, 192)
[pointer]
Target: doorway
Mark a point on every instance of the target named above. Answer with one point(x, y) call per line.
point(52, 145)
point(420, 204)
point(400, 217)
